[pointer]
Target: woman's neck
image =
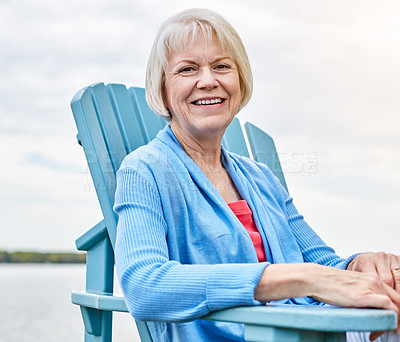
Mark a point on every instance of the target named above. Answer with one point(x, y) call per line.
point(204, 151)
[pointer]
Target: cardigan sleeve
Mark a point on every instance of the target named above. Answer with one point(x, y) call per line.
point(155, 287)
point(311, 245)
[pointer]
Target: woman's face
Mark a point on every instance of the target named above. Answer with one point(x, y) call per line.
point(202, 90)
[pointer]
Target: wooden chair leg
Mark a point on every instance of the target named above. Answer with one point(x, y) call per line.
point(99, 279)
point(98, 325)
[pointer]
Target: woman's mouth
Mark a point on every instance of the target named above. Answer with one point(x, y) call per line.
point(208, 101)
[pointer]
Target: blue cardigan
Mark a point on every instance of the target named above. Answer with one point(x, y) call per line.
point(180, 250)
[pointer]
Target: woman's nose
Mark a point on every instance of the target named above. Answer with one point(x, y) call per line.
point(207, 79)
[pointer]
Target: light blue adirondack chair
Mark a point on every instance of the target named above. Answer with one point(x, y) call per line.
point(113, 121)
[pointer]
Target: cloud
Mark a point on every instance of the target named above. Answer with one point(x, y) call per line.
point(38, 159)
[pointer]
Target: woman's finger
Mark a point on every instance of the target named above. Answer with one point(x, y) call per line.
point(383, 266)
point(375, 334)
point(395, 298)
point(396, 279)
point(395, 271)
point(364, 262)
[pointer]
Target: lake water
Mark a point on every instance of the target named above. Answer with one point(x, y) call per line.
point(36, 305)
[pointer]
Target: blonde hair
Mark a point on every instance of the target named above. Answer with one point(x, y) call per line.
point(177, 34)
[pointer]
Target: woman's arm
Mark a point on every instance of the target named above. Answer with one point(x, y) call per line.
point(155, 287)
point(326, 284)
point(373, 288)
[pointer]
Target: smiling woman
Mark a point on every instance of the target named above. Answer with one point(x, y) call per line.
point(202, 93)
point(202, 229)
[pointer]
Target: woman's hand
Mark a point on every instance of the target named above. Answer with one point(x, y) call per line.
point(327, 284)
point(382, 264)
point(386, 266)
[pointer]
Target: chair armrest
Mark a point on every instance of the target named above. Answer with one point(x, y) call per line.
point(101, 301)
point(91, 237)
point(303, 317)
point(316, 318)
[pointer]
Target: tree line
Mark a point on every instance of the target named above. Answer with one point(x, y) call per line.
point(37, 257)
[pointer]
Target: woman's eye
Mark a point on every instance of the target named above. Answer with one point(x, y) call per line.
point(222, 67)
point(186, 70)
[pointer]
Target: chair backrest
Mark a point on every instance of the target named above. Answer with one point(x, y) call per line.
point(113, 121)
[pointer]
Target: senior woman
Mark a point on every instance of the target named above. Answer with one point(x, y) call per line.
point(203, 229)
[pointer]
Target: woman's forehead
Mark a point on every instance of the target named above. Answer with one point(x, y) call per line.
point(194, 48)
point(184, 42)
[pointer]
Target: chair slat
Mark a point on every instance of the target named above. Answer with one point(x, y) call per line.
point(263, 149)
point(128, 121)
point(151, 122)
point(233, 139)
point(97, 155)
point(109, 125)
point(92, 138)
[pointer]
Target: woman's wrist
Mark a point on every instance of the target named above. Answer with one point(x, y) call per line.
point(280, 281)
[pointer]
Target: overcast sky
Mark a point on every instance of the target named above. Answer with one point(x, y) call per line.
point(327, 85)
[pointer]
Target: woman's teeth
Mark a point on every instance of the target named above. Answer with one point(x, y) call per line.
point(207, 102)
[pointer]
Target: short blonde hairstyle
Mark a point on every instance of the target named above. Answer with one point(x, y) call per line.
point(177, 34)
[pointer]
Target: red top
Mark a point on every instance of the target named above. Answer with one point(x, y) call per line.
point(245, 216)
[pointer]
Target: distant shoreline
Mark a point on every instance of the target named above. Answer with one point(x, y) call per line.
point(41, 258)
